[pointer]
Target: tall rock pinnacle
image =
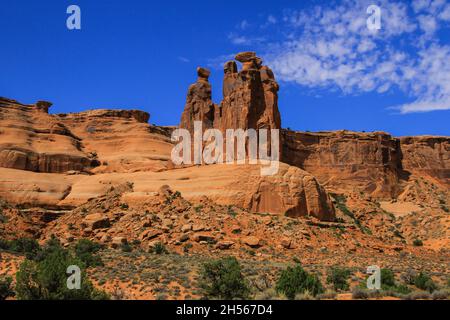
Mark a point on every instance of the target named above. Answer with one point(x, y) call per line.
point(250, 98)
point(199, 106)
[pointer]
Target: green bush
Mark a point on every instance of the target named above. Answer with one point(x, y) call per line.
point(223, 279)
point(5, 288)
point(125, 247)
point(423, 281)
point(45, 277)
point(338, 277)
point(159, 248)
point(387, 279)
point(29, 247)
point(4, 244)
point(296, 280)
point(86, 250)
point(417, 243)
point(402, 289)
point(3, 218)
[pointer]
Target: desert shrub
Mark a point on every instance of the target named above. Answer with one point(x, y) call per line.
point(27, 246)
point(125, 247)
point(159, 248)
point(6, 288)
point(338, 277)
point(269, 294)
point(3, 218)
point(417, 295)
point(359, 293)
point(295, 280)
point(223, 279)
point(4, 244)
point(409, 276)
point(376, 294)
point(417, 243)
point(440, 295)
point(304, 296)
point(328, 295)
point(45, 277)
point(387, 278)
point(423, 281)
point(86, 250)
point(402, 289)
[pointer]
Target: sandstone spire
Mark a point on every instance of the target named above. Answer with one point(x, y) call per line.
point(199, 106)
point(250, 98)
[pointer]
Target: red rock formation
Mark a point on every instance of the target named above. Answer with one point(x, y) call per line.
point(249, 98)
point(347, 161)
point(375, 163)
point(31, 139)
point(199, 106)
point(428, 155)
point(122, 140)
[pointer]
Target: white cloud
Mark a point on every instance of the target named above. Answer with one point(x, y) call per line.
point(427, 23)
point(332, 48)
point(237, 39)
point(184, 59)
point(445, 13)
point(217, 63)
point(244, 25)
point(271, 19)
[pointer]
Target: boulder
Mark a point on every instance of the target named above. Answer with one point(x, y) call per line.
point(150, 234)
point(224, 244)
point(198, 237)
point(252, 241)
point(97, 221)
point(118, 241)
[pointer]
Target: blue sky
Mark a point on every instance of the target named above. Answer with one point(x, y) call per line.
point(334, 72)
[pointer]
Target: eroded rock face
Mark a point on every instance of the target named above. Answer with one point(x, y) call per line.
point(199, 106)
point(428, 155)
point(292, 191)
point(374, 163)
point(250, 98)
point(121, 140)
point(347, 161)
point(31, 139)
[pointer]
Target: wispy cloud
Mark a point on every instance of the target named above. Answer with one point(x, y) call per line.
point(243, 25)
point(244, 40)
point(217, 63)
point(330, 47)
point(183, 59)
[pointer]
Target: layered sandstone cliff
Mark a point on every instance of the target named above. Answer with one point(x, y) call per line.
point(347, 161)
point(122, 140)
point(116, 146)
point(427, 155)
point(374, 163)
point(31, 139)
